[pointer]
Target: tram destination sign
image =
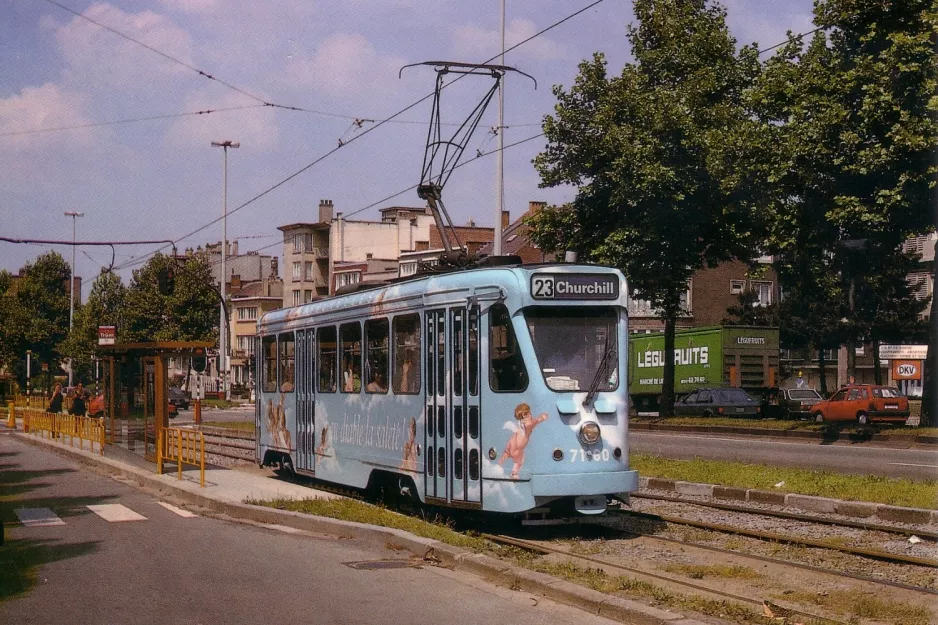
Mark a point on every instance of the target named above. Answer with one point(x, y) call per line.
point(563, 286)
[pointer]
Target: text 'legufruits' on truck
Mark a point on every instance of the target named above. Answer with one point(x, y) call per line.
point(740, 356)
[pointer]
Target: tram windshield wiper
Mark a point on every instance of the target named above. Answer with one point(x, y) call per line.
point(600, 373)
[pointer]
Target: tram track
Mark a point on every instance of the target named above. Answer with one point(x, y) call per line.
point(671, 582)
point(637, 554)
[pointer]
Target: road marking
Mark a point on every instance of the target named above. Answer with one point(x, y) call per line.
point(183, 513)
point(115, 513)
point(909, 464)
point(37, 517)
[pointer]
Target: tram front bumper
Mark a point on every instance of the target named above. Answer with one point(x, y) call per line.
point(606, 483)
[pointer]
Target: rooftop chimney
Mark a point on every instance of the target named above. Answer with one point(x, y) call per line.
point(325, 211)
point(234, 248)
point(506, 220)
point(534, 206)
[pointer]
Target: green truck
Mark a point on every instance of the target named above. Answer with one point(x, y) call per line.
point(742, 356)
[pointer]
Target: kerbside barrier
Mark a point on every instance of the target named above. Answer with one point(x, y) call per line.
point(49, 425)
point(182, 447)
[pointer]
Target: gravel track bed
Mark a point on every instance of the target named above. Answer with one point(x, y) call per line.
point(914, 575)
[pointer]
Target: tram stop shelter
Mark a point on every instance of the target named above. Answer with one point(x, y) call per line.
point(135, 381)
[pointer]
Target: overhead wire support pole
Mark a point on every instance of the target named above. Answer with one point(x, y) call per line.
point(500, 157)
point(441, 156)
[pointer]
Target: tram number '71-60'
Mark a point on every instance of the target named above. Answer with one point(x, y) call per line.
point(582, 455)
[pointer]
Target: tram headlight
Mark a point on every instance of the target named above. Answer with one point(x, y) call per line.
point(589, 433)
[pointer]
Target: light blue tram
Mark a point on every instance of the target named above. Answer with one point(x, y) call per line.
point(500, 389)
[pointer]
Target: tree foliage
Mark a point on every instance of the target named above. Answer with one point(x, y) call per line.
point(104, 307)
point(853, 115)
point(171, 301)
point(662, 155)
point(34, 306)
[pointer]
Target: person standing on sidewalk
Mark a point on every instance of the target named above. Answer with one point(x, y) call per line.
point(79, 407)
point(55, 404)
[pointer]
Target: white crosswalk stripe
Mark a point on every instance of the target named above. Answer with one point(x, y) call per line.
point(38, 517)
point(116, 513)
point(183, 513)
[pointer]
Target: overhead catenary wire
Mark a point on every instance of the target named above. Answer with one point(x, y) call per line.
point(366, 131)
point(36, 131)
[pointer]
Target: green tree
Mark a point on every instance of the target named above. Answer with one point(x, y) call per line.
point(854, 119)
point(104, 306)
point(34, 306)
point(665, 158)
point(170, 300)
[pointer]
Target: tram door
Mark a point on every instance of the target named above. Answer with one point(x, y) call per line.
point(305, 400)
point(452, 424)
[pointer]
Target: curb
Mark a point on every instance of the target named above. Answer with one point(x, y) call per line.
point(480, 565)
point(808, 503)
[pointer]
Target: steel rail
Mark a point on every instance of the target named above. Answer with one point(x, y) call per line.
point(794, 516)
point(791, 540)
point(545, 550)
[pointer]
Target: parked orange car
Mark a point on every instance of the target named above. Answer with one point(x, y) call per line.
point(863, 403)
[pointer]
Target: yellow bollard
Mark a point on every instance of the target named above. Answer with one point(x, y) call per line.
point(11, 421)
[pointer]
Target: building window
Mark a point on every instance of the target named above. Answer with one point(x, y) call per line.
point(296, 298)
point(308, 275)
point(344, 279)
point(308, 242)
point(763, 292)
point(246, 344)
point(307, 296)
point(296, 272)
point(297, 243)
point(247, 313)
point(737, 287)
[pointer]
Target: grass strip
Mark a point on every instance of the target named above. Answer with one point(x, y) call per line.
point(868, 488)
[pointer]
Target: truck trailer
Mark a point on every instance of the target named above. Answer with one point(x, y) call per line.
point(712, 356)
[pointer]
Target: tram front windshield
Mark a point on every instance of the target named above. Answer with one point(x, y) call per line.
point(570, 344)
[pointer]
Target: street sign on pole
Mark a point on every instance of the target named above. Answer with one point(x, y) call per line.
point(107, 335)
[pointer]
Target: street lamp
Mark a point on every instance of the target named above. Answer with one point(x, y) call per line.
point(222, 333)
point(71, 304)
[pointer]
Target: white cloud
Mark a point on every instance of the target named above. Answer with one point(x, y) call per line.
point(346, 65)
point(98, 57)
point(476, 43)
point(254, 127)
point(40, 108)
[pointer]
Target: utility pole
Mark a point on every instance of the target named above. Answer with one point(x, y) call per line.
point(500, 157)
point(71, 305)
point(223, 326)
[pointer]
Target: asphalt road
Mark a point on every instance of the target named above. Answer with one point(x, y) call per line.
point(855, 459)
point(108, 553)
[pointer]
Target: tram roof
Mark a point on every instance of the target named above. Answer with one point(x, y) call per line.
point(412, 288)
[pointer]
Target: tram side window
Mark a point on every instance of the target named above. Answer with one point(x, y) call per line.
point(351, 350)
point(287, 356)
point(507, 372)
point(407, 354)
point(328, 359)
point(269, 344)
point(376, 355)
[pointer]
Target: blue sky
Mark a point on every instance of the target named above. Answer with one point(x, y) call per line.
point(161, 179)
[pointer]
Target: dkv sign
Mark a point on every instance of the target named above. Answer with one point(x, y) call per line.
point(906, 370)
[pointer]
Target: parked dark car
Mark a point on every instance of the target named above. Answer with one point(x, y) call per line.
point(796, 403)
point(710, 402)
point(178, 398)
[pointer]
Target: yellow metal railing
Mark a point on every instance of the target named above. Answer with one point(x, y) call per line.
point(30, 401)
point(48, 425)
point(182, 447)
